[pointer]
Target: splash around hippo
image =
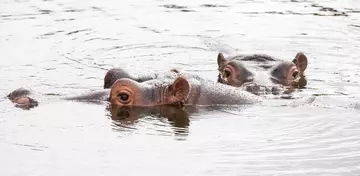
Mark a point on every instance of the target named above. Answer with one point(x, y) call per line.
point(243, 71)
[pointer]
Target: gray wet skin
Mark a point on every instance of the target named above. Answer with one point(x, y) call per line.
point(23, 98)
point(262, 74)
point(117, 73)
point(180, 90)
point(114, 74)
point(184, 91)
point(203, 91)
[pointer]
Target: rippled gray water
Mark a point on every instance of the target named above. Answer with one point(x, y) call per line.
point(65, 46)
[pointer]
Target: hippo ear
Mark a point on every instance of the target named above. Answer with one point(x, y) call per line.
point(221, 60)
point(301, 61)
point(179, 90)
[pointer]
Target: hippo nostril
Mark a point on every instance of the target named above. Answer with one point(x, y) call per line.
point(124, 97)
point(295, 74)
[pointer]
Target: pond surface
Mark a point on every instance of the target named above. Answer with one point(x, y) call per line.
point(65, 47)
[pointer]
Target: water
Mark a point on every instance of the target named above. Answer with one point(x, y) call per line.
point(65, 47)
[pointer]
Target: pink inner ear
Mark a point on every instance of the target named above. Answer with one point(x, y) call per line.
point(293, 70)
point(235, 72)
point(231, 70)
point(227, 73)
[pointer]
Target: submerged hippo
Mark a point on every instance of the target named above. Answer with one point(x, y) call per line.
point(20, 97)
point(216, 93)
point(261, 74)
point(179, 91)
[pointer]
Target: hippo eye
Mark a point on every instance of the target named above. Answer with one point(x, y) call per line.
point(295, 74)
point(227, 73)
point(124, 97)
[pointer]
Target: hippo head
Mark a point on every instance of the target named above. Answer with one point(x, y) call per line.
point(25, 102)
point(233, 72)
point(278, 73)
point(290, 73)
point(127, 92)
point(20, 97)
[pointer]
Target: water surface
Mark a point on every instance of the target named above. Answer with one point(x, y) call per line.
point(65, 47)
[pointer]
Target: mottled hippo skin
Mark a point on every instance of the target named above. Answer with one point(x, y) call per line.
point(153, 92)
point(262, 74)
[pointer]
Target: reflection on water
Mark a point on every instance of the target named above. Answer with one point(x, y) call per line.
point(125, 117)
point(64, 47)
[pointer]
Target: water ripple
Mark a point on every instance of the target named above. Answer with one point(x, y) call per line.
point(64, 47)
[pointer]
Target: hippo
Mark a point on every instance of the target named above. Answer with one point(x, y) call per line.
point(20, 97)
point(262, 74)
point(183, 91)
point(179, 91)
